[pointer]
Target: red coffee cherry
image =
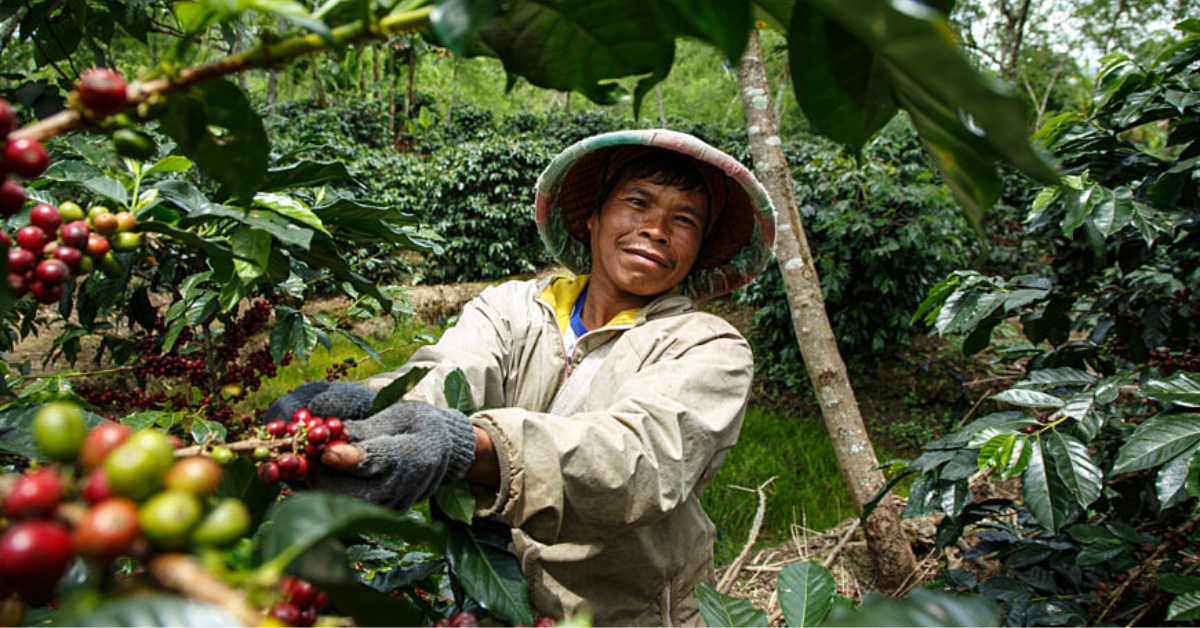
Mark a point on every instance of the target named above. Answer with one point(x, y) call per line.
point(8, 119)
point(32, 238)
point(12, 197)
point(102, 91)
point(36, 495)
point(46, 217)
point(70, 256)
point(20, 261)
point(52, 272)
point(33, 556)
point(25, 157)
point(45, 293)
point(77, 234)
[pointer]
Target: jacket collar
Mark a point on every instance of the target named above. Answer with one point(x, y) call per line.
point(670, 304)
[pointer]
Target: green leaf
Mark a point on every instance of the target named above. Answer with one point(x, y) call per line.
point(458, 392)
point(305, 174)
point(215, 125)
point(290, 208)
point(922, 607)
point(727, 24)
point(1114, 212)
point(396, 390)
point(73, 171)
point(1045, 495)
point(361, 344)
point(155, 609)
point(840, 83)
point(1170, 481)
point(456, 21)
point(1182, 388)
point(457, 501)
point(1192, 485)
point(293, 332)
point(583, 46)
point(1177, 583)
point(1075, 467)
point(488, 572)
point(1062, 376)
point(719, 609)
point(1007, 452)
point(1156, 441)
point(253, 250)
point(1186, 607)
point(109, 188)
point(869, 507)
point(207, 431)
point(327, 565)
point(805, 593)
point(170, 163)
point(1028, 398)
point(300, 521)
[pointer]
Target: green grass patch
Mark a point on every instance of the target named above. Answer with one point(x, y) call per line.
point(808, 488)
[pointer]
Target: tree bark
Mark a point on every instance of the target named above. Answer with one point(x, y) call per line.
point(886, 538)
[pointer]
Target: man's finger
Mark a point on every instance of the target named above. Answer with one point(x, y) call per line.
point(343, 458)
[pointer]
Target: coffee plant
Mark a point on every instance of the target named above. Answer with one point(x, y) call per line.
point(230, 236)
point(1102, 427)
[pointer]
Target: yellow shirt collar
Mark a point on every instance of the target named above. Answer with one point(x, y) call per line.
point(562, 293)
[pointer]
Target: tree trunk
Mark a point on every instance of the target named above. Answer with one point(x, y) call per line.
point(319, 97)
point(886, 538)
point(662, 118)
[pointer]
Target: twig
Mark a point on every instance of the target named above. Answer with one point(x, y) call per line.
point(971, 412)
point(921, 568)
point(1158, 596)
point(242, 445)
point(828, 562)
point(265, 56)
point(183, 573)
point(1137, 572)
point(736, 567)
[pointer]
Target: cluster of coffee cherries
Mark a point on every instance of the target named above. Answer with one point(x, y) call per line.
point(466, 618)
point(23, 157)
point(300, 605)
point(109, 492)
point(62, 242)
point(307, 436)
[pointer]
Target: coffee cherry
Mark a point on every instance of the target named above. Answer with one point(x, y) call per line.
point(464, 619)
point(32, 239)
point(45, 293)
point(168, 517)
point(544, 622)
point(111, 266)
point(100, 442)
point(75, 234)
point(222, 455)
point(336, 428)
point(20, 261)
point(102, 91)
point(95, 487)
point(318, 434)
point(288, 463)
point(277, 428)
point(8, 119)
point(46, 217)
point(70, 256)
point(52, 272)
point(134, 144)
point(224, 525)
point(33, 556)
point(287, 613)
point(196, 475)
point(70, 212)
point(268, 473)
point(302, 469)
point(297, 591)
point(97, 246)
point(308, 616)
point(25, 157)
point(126, 241)
point(12, 197)
point(17, 283)
point(5, 240)
point(104, 223)
point(302, 415)
point(36, 495)
point(59, 429)
point(108, 530)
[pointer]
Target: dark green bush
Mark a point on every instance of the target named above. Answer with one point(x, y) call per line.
point(882, 230)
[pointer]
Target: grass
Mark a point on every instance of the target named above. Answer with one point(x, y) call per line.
point(808, 488)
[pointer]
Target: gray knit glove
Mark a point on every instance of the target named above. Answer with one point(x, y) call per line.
point(342, 400)
point(406, 452)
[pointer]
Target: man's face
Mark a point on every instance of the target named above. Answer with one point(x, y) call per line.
point(646, 237)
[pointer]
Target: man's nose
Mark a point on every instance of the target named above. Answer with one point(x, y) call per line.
point(655, 226)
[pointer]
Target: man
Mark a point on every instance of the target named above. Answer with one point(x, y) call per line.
point(609, 401)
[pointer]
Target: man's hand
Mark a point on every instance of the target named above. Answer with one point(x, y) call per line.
point(399, 456)
point(344, 400)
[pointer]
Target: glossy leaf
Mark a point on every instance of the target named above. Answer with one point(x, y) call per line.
point(456, 21)
point(302, 520)
point(1170, 481)
point(1182, 388)
point(719, 609)
point(1028, 398)
point(16, 429)
point(1075, 466)
point(237, 157)
point(1156, 441)
point(456, 500)
point(327, 566)
point(1186, 607)
point(1177, 583)
point(1062, 376)
point(922, 607)
point(1045, 494)
point(207, 431)
point(305, 174)
point(457, 391)
point(584, 46)
point(725, 23)
point(396, 390)
point(842, 86)
point(805, 591)
point(108, 188)
point(487, 571)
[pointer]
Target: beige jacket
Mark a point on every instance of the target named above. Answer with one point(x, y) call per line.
point(604, 504)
